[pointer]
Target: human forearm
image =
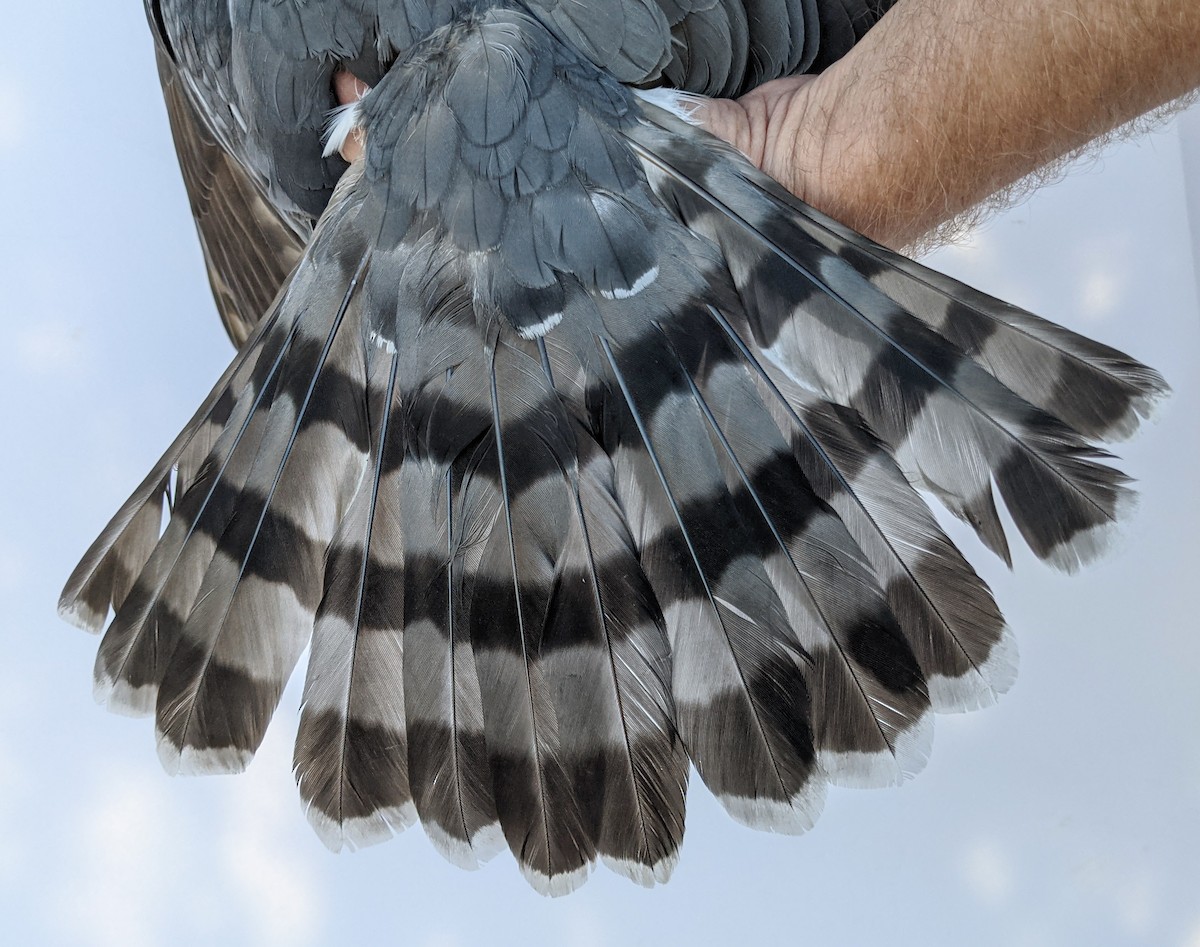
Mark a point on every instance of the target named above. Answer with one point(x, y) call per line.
point(947, 101)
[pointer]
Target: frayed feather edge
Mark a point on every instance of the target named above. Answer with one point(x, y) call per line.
point(360, 832)
point(192, 761)
point(81, 615)
point(639, 872)
point(482, 847)
point(859, 770)
point(683, 105)
point(793, 817)
point(341, 123)
point(1085, 547)
point(121, 697)
point(980, 687)
point(555, 886)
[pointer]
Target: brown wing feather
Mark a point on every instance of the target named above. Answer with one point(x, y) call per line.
point(249, 248)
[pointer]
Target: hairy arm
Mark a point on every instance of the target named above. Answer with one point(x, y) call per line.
point(946, 102)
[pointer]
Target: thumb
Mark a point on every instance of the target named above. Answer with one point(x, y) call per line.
point(757, 123)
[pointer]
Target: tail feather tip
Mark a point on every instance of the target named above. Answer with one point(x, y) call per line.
point(555, 885)
point(908, 755)
point(483, 846)
point(201, 761)
point(363, 831)
point(642, 873)
point(121, 697)
point(984, 685)
point(78, 613)
point(791, 817)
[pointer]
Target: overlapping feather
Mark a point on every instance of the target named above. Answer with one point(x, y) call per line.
point(556, 522)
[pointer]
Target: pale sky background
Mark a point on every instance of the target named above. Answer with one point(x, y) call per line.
point(1067, 815)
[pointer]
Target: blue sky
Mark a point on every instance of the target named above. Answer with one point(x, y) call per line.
point(1065, 815)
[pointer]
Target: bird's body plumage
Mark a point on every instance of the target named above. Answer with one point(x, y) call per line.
point(574, 446)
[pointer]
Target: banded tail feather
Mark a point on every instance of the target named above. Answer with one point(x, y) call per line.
point(576, 451)
point(950, 422)
point(350, 760)
point(449, 768)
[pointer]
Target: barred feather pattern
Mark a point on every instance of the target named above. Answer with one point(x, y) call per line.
point(581, 452)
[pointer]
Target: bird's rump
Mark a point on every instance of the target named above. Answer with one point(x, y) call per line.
point(575, 450)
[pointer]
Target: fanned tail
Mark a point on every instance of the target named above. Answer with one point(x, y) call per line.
point(947, 418)
point(106, 573)
point(1101, 393)
point(448, 761)
point(146, 625)
point(870, 706)
point(225, 675)
point(350, 758)
point(742, 701)
point(619, 712)
point(579, 449)
point(947, 613)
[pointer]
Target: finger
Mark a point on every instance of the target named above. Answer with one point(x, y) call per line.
point(348, 89)
point(751, 123)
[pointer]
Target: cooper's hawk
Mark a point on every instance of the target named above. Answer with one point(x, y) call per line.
point(575, 446)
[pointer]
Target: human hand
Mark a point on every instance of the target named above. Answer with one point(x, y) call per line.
point(758, 123)
point(942, 108)
point(791, 129)
point(777, 126)
point(765, 125)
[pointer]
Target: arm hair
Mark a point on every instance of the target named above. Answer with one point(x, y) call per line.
point(948, 103)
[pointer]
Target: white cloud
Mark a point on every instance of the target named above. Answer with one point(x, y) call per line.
point(12, 776)
point(14, 116)
point(988, 872)
point(1102, 270)
point(118, 896)
point(1122, 885)
point(14, 565)
point(1193, 939)
point(1136, 905)
point(585, 928)
point(50, 348)
point(275, 881)
point(1101, 293)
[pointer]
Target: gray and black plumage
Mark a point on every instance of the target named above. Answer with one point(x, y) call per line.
point(574, 448)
